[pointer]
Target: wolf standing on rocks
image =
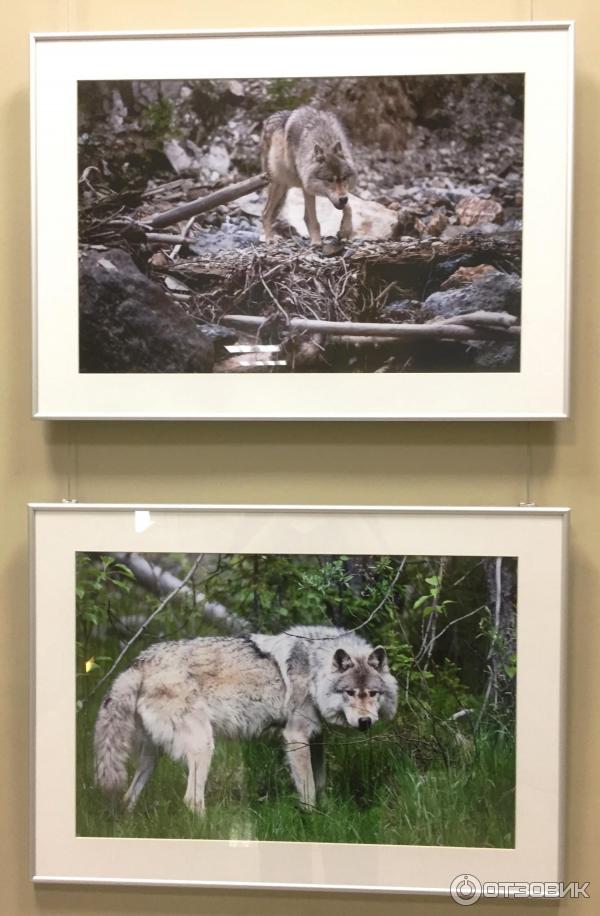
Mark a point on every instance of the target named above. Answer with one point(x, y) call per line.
point(307, 149)
point(177, 696)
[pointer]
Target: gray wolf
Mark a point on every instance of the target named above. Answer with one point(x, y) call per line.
point(178, 696)
point(307, 149)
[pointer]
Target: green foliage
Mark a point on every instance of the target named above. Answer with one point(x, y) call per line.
point(99, 580)
point(158, 119)
point(442, 772)
point(377, 792)
point(429, 603)
point(287, 93)
point(274, 591)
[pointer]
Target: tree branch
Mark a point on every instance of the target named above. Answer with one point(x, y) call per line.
point(145, 625)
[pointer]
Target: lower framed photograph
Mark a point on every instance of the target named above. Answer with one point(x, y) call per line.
point(353, 698)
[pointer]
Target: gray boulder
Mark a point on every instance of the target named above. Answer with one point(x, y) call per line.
point(494, 356)
point(127, 323)
point(496, 293)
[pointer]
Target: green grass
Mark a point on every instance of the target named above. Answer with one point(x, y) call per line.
point(376, 793)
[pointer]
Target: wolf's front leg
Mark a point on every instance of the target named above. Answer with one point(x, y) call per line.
point(310, 218)
point(345, 231)
point(275, 198)
point(298, 754)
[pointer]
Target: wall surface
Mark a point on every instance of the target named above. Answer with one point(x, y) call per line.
point(479, 463)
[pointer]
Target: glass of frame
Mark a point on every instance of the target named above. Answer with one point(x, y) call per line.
point(298, 697)
point(419, 268)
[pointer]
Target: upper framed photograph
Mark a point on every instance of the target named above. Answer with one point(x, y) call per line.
point(328, 224)
point(299, 697)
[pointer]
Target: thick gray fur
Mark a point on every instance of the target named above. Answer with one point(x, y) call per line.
point(177, 696)
point(307, 148)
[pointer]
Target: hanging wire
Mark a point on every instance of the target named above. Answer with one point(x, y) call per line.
point(528, 469)
point(72, 460)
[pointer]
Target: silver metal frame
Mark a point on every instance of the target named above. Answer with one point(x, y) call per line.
point(75, 507)
point(305, 509)
point(557, 25)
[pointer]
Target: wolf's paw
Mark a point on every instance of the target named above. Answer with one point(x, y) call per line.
point(196, 807)
point(333, 246)
point(308, 807)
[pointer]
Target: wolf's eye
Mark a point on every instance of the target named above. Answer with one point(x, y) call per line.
point(350, 692)
point(373, 693)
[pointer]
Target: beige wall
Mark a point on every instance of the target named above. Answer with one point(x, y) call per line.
point(480, 463)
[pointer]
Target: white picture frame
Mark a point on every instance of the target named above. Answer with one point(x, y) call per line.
point(542, 51)
point(536, 537)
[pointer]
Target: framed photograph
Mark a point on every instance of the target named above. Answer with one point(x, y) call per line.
point(315, 697)
point(365, 223)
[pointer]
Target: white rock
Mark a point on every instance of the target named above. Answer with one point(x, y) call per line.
point(118, 112)
point(252, 204)
point(370, 219)
point(236, 87)
point(177, 156)
point(217, 159)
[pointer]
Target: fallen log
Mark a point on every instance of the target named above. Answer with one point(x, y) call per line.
point(208, 202)
point(161, 582)
point(437, 330)
point(165, 238)
point(489, 319)
point(347, 340)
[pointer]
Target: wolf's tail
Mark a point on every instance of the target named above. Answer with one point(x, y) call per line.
point(114, 732)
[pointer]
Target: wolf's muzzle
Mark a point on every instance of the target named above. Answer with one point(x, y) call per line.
point(364, 723)
point(342, 201)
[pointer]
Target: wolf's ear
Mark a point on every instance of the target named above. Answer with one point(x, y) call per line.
point(341, 660)
point(337, 149)
point(378, 659)
point(319, 154)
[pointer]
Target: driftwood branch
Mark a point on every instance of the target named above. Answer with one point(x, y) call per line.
point(489, 319)
point(359, 342)
point(185, 232)
point(435, 330)
point(209, 202)
point(161, 581)
point(166, 238)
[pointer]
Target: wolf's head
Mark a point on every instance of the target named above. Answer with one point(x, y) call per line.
point(331, 174)
point(362, 688)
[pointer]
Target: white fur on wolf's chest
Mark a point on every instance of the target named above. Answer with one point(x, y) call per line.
point(369, 219)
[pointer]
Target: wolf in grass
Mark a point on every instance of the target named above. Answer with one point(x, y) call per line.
point(178, 696)
point(307, 149)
